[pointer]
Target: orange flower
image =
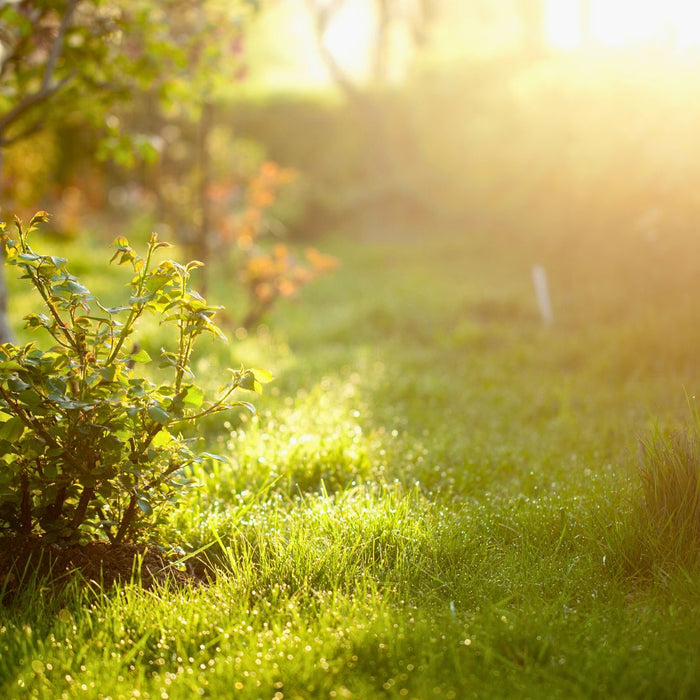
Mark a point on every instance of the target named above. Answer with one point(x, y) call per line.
point(320, 261)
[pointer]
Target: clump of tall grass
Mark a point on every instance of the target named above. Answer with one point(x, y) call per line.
point(669, 468)
point(657, 531)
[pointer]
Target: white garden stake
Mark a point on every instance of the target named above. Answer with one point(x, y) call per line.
point(544, 301)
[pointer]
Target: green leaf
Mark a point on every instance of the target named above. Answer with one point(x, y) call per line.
point(247, 381)
point(41, 217)
point(136, 388)
point(10, 365)
point(17, 385)
point(126, 256)
point(113, 309)
point(193, 397)
point(144, 505)
point(159, 415)
point(156, 282)
point(84, 322)
point(108, 373)
point(140, 356)
point(74, 287)
point(30, 398)
point(12, 430)
point(167, 359)
point(214, 457)
point(264, 376)
point(143, 299)
point(162, 438)
point(37, 321)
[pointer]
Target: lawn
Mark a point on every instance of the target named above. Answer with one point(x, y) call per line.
point(438, 498)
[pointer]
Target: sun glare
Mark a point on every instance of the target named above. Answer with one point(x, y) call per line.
point(623, 23)
point(349, 37)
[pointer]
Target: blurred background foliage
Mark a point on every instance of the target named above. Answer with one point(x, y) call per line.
point(526, 119)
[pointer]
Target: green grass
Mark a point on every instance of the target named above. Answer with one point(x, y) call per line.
point(439, 497)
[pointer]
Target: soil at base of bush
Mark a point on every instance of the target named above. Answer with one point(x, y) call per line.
point(24, 558)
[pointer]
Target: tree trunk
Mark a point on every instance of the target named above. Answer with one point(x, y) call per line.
point(203, 244)
point(26, 505)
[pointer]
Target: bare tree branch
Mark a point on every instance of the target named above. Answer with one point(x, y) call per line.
point(58, 42)
point(32, 129)
point(46, 89)
point(31, 101)
point(323, 16)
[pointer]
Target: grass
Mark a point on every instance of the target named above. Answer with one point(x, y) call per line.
point(439, 497)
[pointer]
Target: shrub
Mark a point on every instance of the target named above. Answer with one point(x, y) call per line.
point(89, 447)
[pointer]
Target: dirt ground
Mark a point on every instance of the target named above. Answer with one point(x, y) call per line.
point(97, 564)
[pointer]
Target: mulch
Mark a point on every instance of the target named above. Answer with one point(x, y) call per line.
point(98, 565)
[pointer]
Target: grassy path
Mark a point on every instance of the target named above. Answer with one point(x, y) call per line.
point(438, 499)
